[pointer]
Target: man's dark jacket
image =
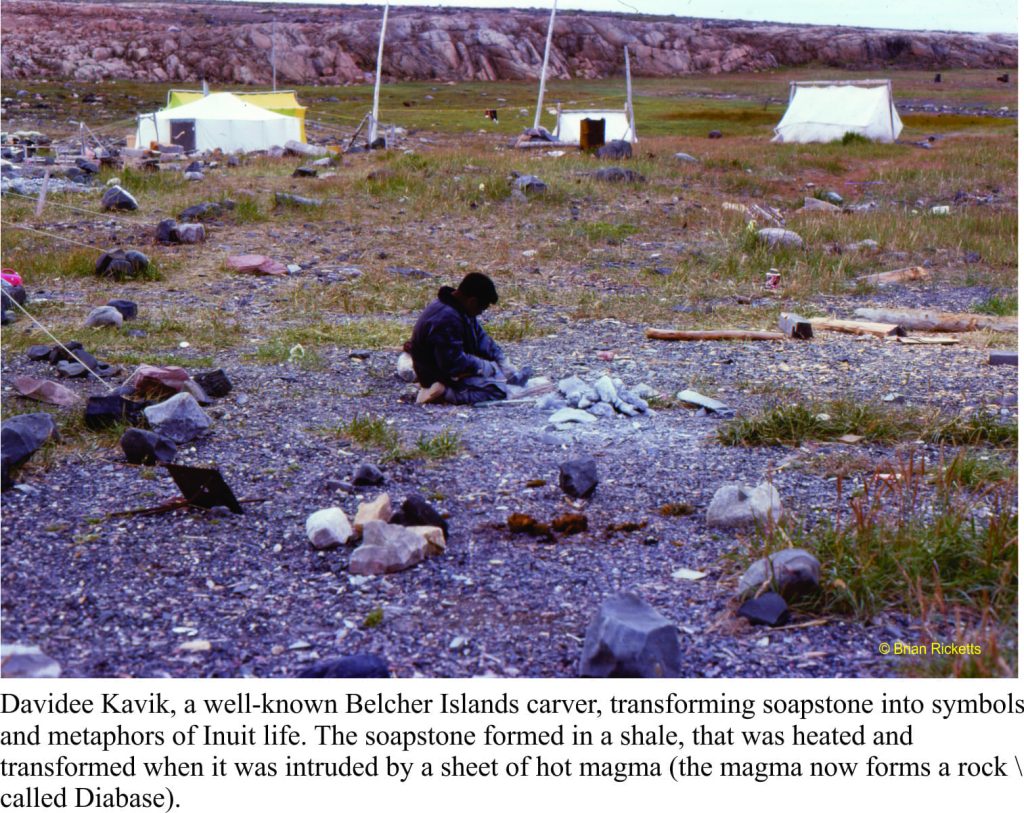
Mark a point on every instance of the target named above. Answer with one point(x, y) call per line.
point(448, 344)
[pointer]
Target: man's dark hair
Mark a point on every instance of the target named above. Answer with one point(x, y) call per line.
point(480, 286)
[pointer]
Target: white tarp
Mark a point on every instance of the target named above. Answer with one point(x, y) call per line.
point(826, 112)
point(222, 121)
point(616, 125)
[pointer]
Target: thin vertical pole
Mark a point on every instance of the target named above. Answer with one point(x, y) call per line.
point(273, 53)
point(629, 97)
point(41, 200)
point(544, 67)
point(376, 87)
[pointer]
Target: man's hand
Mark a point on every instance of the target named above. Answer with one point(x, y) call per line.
point(488, 369)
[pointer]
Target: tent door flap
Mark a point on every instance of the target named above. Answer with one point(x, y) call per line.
point(183, 133)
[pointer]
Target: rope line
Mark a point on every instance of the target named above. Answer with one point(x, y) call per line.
point(53, 236)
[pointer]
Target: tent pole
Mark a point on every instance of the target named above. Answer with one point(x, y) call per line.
point(544, 66)
point(273, 54)
point(892, 104)
point(629, 96)
point(376, 88)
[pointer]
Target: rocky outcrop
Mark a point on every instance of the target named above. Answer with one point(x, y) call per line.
point(172, 42)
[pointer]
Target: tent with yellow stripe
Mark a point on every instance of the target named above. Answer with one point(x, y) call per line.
point(283, 102)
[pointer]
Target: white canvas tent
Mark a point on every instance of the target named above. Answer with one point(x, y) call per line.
point(826, 111)
point(617, 126)
point(219, 121)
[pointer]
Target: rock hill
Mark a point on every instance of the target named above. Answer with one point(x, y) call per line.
point(185, 42)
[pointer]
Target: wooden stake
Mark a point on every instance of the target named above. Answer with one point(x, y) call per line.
point(41, 200)
point(938, 321)
point(714, 335)
point(911, 274)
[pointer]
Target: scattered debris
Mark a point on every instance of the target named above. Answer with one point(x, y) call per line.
point(912, 274)
point(685, 574)
point(695, 400)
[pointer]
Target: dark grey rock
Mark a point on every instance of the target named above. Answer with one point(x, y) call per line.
point(715, 134)
point(349, 666)
point(304, 172)
point(87, 166)
point(195, 166)
point(127, 308)
point(616, 150)
point(285, 199)
point(629, 638)
point(367, 474)
point(23, 435)
point(417, 511)
point(117, 198)
point(102, 411)
point(578, 477)
point(200, 211)
point(147, 448)
point(121, 264)
point(412, 273)
point(618, 175)
point(38, 352)
point(1009, 357)
point(215, 383)
point(768, 609)
point(529, 185)
point(167, 231)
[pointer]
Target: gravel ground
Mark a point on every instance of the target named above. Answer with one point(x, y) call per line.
point(117, 596)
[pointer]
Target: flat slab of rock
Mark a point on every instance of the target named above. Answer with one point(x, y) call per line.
point(142, 447)
point(792, 572)
point(256, 264)
point(21, 436)
point(737, 506)
point(433, 536)
point(117, 198)
point(815, 205)
point(49, 392)
point(629, 638)
point(179, 418)
point(328, 528)
point(387, 549)
point(695, 399)
point(769, 609)
point(570, 415)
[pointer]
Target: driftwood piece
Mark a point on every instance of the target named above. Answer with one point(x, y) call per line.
point(939, 321)
point(927, 340)
point(714, 335)
point(911, 274)
point(880, 329)
point(796, 327)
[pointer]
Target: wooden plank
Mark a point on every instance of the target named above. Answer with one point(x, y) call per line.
point(879, 329)
point(714, 335)
point(939, 321)
point(796, 327)
point(911, 274)
point(927, 340)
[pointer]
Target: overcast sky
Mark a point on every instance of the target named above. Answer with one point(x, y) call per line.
point(939, 15)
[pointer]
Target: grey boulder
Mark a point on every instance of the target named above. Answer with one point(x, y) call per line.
point(529, 184)
point(792, 573)
point(616, 149)
point(578, 477)
point(387, 549)
point(21, 661)
point(179, 418)
point(118, 198)
point(736, 506)
point(629, 638)
point(147, 448)
point(104, 316)
point(780, 238)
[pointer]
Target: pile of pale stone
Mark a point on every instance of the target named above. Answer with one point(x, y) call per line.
point(576, 401)
point(385, 548)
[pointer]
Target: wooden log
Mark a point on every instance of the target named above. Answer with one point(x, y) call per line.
point(714, 335)
point(927, 340)
point(939, 321)
point(911, 274)
point(879, 329)
point(796, 327)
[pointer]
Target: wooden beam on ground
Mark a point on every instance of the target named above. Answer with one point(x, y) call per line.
point(880, 329)
point(795, 327)
point(927, 340)
point(911, 274)
point(714, 335)
point(939, 321)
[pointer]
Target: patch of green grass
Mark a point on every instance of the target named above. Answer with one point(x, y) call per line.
point(977, 429)
point(373, 431)
point(65, 262)
point(516, 329)
point(445, 443)
point(601, 232)
point(142, 182)
point(279, 350)
point(997, 305)
point(854, 138)
point(374, 618)
point(974, 471)
point(248, 210)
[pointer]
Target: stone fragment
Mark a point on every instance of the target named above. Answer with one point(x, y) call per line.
point(166, 231)
point(367, 474)
point(286, 199)
point(617, 175)
point(602, 410)
point(348, 666)
point(215, 383)
point(378, 510)
point(1009, 357)
point(328, 528)
point(695, 400)
point(304, 172)
point(686, 158)
point(792, 572)
point(157, 382)
point(127, 308)
point(415, 510)
point(387, 549)
point(49, 392)
point(117, 198)
point(404, 369)
point(256, 264)
point(768, 609)
point(736, 506)
point(104, 316)
point(142, 447)
point(715, 134)
point(570, 415)
point(815, 205)
point(21, 661)
point(179, 418)
point(780, 238)
point(38, 352)
point(529, 185)
point(615, 150)
point(629, 638)
point(578, 477)
point(433, 536)
point(71, 369)
point(190, 233)
point(120, 264)
point(21, 436)
point(102, 411)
